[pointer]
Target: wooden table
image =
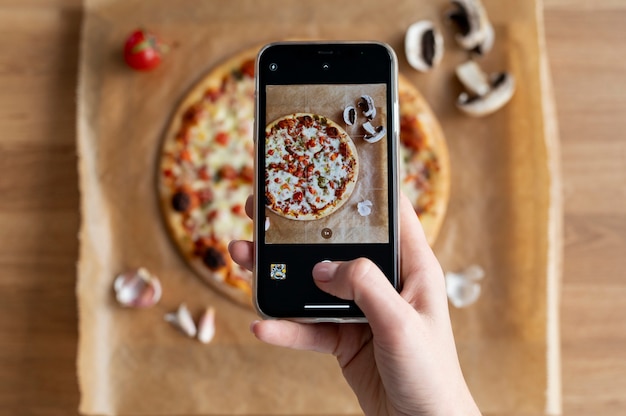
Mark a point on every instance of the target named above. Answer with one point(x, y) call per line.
point(39, 202)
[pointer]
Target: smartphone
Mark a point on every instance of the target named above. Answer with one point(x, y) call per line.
point(326, 173)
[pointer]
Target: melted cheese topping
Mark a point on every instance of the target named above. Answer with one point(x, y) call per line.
point(215, 163)
point(418, 170)
point(306, 170)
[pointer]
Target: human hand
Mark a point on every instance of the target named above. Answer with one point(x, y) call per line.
point(404, 361)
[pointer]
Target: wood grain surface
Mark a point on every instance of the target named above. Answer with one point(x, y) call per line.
point(39, 200)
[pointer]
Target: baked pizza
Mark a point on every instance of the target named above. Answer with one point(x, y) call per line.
point(424, 161)
point(311, 166)
point(206, 169)
point(206, 173)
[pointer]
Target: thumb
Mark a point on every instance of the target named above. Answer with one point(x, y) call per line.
point(363, 282)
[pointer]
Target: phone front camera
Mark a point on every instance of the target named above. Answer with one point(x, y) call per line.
point(273, 66)
point(325, 66)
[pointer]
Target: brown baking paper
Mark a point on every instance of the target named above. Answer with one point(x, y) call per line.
point(502, 214)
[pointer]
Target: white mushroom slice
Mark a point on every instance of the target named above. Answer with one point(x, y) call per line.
point(349, 115)
point(476, 33)
point(473, 78)
point(182, 320)
point(487, 44)
point(502, 89)
point(137, 288)
point(366, 104)
point(423, 45)
point(381, 131)
point(267, 223)
point(206, 326)
point(364, 208)
point(463, 288)
point(369, 128)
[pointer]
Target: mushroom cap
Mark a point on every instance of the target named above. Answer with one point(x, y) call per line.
point(367, 106)
point(381, 131)
point(503, 88)
point(475, 30)
point(423, 45)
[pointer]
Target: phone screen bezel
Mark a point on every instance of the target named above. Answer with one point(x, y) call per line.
point(301, 63)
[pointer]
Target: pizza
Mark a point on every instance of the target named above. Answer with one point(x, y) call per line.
point(206, 173)
point(311, 166)
point(424, 161)
point(206, 170)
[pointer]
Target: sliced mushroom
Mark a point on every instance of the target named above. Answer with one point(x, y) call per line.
point(423, 45)
point(476, 32)
point(473, 78)
point(366, 104)
point(381, 131)
point(349, 115)
point(369, 128)
point(502, 89)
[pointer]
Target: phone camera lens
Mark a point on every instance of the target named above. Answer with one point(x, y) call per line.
point(273, 66)
point(325, 66)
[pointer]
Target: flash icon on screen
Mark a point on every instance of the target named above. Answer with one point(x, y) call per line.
point(278, 271)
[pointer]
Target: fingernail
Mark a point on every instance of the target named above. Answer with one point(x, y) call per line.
point(324, 271)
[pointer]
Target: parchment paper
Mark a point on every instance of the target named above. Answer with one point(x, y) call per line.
point(501, 214)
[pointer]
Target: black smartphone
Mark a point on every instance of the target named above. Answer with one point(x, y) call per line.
point(326, 185)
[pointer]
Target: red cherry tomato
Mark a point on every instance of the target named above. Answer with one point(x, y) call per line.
point(142, 50)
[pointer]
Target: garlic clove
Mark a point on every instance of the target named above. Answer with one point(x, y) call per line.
point(364, 207)
point(182, 320)
point(463, 288)
point(137, 288)
point(206, 326)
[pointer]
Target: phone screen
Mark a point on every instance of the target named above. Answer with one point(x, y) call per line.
point(326, 171)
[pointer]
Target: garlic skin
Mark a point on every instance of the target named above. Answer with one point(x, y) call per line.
point(137, 288)
point(206, 326)
point(463, 288)
point(182, 320)
point(364, 207)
